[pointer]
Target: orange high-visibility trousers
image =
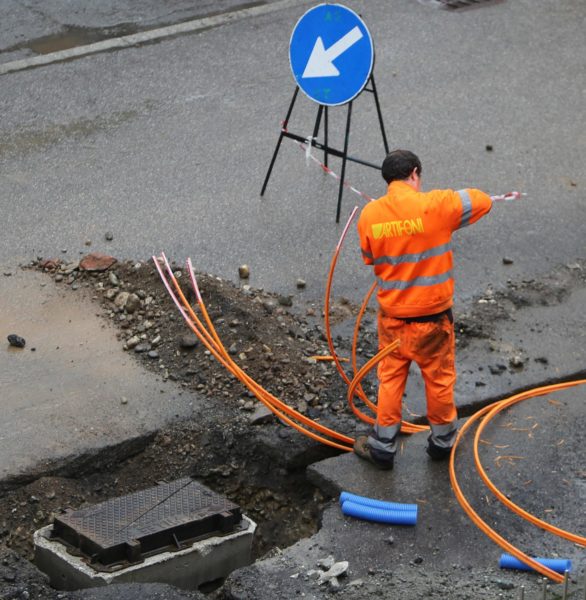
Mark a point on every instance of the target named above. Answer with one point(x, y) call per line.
point(432, 346)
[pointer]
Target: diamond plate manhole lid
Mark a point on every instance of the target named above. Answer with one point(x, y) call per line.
point(124, 530)
point(454, 4)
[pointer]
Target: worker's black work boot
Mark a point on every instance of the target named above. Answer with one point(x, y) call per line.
point(363, 450)
point(437, 452)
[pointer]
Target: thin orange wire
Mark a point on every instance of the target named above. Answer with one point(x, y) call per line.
point(345, 378)
point(361, 312)
point(367, 367)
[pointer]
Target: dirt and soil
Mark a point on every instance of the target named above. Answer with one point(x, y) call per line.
point(233, 446)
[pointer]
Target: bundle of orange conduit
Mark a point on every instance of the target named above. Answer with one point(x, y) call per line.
point(207, 335)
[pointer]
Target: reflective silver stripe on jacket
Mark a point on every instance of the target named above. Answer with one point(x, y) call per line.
point(466, 208)
point(444, 436)
point(366, 254)
point(384, 439)
point(413, 258)
point(399, 284)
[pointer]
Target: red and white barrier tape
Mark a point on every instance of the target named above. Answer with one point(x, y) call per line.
point(507, 197)
point(306, 147)
point(308, 155)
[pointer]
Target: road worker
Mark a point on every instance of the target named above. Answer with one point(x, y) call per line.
point(406, 237)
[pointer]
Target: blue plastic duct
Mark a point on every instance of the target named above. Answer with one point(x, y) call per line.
point(379, 515)
point(559, 565)
point(345, 496)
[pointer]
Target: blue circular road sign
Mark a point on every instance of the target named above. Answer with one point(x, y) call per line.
point(331, 54)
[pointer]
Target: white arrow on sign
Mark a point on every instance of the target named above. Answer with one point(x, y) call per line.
point(320, 63)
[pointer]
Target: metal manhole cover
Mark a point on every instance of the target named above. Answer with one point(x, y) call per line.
point(124, 530)
point(455, 4)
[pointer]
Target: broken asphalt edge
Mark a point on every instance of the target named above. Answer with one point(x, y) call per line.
point(93, 459)
point(80, 464)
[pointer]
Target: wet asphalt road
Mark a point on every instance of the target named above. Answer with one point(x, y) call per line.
point(167, 144)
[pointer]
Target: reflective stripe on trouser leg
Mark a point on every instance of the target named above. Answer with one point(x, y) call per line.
point(443, 436)
point(383, 441)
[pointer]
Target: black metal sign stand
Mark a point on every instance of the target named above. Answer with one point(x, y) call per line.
point(343, 154)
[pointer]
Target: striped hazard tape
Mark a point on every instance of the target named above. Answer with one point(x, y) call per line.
point(307, 146)
point(309, 156)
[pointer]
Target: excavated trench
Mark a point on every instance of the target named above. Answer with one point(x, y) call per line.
point(246, 467)
point(256, 462)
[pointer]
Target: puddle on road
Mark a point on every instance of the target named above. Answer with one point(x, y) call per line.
point(64, 41)
point(66, 396)
point(72, 36)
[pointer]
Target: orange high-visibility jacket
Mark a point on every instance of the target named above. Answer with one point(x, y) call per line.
point(406, 235)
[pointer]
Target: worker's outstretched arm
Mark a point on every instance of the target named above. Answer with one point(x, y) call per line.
point(470, 205)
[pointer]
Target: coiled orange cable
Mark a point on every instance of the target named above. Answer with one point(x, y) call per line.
point(406, 427)
point(500, 406)
point(476, 519)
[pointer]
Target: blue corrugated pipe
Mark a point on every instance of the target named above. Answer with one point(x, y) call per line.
point(379, 515)
point(559, 565)
point(344, 496)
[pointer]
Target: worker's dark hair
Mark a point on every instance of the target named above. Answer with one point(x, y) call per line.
point(399, 164)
